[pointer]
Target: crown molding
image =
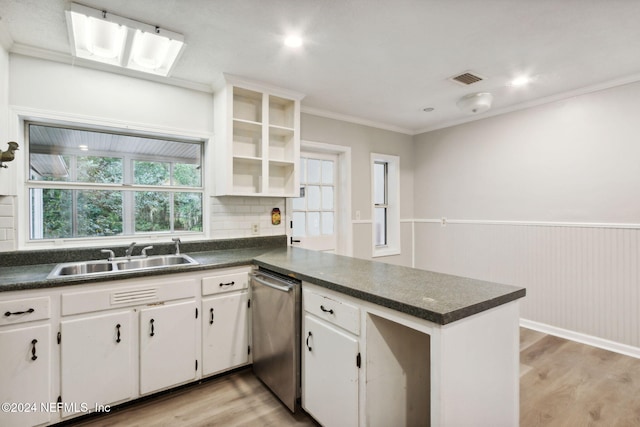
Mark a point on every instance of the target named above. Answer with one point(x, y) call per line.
point(356, 120)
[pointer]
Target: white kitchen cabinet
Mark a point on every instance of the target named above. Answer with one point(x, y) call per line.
point(25, 375)
point(330, 359)
point(257, 139)
point(167, 345)
point(97, 359)
point(330, 384)
point(225, 332)
point(225, 320)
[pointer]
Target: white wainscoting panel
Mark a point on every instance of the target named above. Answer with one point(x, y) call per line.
point(579, 277)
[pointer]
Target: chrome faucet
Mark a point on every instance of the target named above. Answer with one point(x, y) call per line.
point(177, 242)
point(129, 250)
point(110, 252)
point(145, 249)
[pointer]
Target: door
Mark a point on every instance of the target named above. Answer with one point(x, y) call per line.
point(167, 345)
point(330, 382)
point(314, 213)
point(225, 332)
point(96, 359)
point(25, 375)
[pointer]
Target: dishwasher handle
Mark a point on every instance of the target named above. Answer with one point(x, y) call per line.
point(283, 288)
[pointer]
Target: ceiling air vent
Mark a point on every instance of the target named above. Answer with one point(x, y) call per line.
point(466, 78)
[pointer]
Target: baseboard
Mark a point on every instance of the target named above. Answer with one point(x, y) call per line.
point(627, 350)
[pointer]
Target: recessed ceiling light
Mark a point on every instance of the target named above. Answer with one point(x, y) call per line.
point(520, 81)
point(83, 147)
point(293, 41)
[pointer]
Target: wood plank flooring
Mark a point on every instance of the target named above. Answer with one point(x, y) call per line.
point(562, 383)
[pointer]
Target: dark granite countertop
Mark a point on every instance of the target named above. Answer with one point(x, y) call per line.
point(439, 298)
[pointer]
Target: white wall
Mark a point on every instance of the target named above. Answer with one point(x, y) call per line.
point(364, 140)
point(7, 213)
point(545, 198)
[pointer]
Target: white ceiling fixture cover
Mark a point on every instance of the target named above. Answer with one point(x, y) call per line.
point(98, 35)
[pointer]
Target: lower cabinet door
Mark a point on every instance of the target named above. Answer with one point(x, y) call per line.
point(330, 375)
point(25, 376)
point(167, 346)
point(225, 332)
point(96, 361)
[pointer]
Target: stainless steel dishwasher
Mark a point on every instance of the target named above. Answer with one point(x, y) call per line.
point(275, 306)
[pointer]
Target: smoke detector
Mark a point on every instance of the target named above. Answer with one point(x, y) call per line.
point(475, 103)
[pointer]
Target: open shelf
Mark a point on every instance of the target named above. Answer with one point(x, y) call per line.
point(247, 105)
point(281, 179)
point(281, 144)
point(281, 112)
point(247, 139)
point(257, 139)
point(247, 176)
point(398, 365)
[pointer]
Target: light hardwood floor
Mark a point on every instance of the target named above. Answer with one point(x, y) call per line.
point(562, 383)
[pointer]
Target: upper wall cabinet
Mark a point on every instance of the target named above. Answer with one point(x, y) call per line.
point(257, 139)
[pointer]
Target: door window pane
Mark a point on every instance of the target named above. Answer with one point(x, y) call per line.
point(327, 172)
point(313, 197)
point(299, 203)
point(313, 227)
point(313, 171)
point(299, 224)
point(327, 198)
point(327, 223)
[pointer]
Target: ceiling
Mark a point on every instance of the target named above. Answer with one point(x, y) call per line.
point(378, 62)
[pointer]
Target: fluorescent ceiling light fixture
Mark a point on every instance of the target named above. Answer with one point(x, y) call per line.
point(293, 41)
point(100, 36)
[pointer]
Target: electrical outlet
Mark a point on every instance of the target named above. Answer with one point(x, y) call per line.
point(255, 228)
point(443, 222)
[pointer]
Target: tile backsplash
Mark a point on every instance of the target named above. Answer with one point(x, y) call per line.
point(7, 229)
point(233, 216)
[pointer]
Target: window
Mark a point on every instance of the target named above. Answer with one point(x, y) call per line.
point(91, 183)
point(386, 204)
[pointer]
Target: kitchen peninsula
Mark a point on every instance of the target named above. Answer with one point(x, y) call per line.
point(430, 349)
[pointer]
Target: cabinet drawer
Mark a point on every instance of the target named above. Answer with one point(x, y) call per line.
point(24, 310)
point(225, 283)
point(339, 313)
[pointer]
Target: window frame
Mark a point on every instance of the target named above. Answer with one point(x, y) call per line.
point(391, 205)
point(127, 187)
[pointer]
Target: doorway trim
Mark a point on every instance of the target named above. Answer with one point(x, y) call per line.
point(344, 228)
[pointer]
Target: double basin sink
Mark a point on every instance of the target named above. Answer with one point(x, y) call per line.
point(86, 268)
